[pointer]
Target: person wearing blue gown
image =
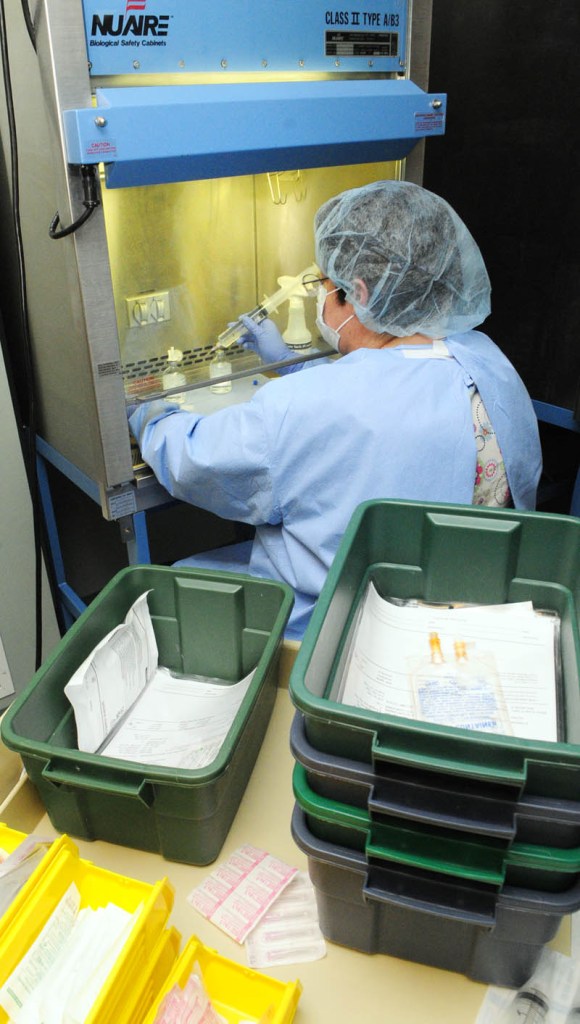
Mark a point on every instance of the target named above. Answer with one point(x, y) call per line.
point(419, 406)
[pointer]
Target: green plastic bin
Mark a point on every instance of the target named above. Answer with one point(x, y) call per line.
point(443, 851)
point(214, 624)
point(446, 553)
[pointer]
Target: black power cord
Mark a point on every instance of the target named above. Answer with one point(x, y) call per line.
point(90, 202)
point(29, 22)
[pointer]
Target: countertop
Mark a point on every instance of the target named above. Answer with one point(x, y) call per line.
point(342, 987)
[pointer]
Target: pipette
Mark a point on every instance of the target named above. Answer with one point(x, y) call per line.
point(268, 305)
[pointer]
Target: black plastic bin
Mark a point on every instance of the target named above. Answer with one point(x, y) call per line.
point(462, 855)
point(437, 799)
point(419, 916)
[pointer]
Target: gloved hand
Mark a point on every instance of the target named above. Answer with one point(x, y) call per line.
point(265, 339)
point(144, 413)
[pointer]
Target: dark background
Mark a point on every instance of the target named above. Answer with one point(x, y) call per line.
point(510, 165)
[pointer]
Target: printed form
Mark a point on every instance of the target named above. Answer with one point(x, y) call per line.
point(490, 668)
point(128, 706)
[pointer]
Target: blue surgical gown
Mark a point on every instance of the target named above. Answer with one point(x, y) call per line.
point(298, 458)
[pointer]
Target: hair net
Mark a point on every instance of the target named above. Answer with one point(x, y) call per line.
point(422, 268)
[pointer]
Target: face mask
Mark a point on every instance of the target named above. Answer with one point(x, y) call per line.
point(328, 334)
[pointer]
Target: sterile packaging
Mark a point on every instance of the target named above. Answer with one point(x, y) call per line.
point(549, 996)
point(190, 1004)
point(239, 892)
point(574, 1010)
point(533, 1001)
point(289, 932)
point(17, 867)
point(237, 994)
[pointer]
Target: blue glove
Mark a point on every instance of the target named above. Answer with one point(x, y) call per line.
point(265, 339)
point(147, 412)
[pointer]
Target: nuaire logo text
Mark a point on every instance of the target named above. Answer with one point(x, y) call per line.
point(134, 23)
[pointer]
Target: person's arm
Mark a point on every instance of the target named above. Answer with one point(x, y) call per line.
point(219, 462)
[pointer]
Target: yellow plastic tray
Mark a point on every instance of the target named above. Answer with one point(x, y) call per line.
point(154, 977)
point(97, 888)
point(237, 992)
point(10, 839)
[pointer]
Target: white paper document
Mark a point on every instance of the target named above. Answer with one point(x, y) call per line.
point(109, 681)
point(177, 722)
point(128, 706)
point(484, 668)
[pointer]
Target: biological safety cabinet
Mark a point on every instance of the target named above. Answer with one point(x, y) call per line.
point(178, 150)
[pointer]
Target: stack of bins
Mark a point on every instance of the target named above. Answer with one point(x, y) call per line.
point(215, 625)
point(453, 848)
